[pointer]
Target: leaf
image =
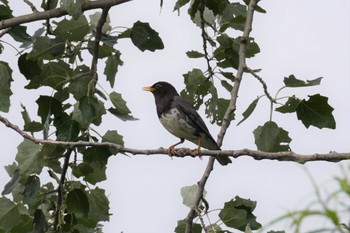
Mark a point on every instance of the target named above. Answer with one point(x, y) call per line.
point(316, 112)
point(290, 106)
point(72, 30)
point(91, 108)
point(194, 54)
point(31, 188)
point(180, 3)
point(113, 137)
point(215, 109)
point(217, 6)
point(145, 38)
point(121, 110)
point(95, 17)
point(271, 138)
point(197, 87)
point(12, 183)
point(9, 214)
point(238, 213)
point(28, 158)
point(46, 48)
point(189, 194)
point(249, 110)
point(181, 227)
point(47, 106)
point(93, 168)
point(99, 205)
point(40, 223)
point(67, 130)
point(5, 86)
point(78, 203)
point(291, 81)
point(111, 68)
point(19, 33)
point(73, 7)
point(55, 74)
point(31, 71)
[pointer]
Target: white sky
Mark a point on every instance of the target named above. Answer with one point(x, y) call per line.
point(306, 38)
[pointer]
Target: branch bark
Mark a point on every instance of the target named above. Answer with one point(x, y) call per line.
point(186, 152)
point(55, 13)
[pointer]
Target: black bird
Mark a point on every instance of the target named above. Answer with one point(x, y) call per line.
point(181, 119)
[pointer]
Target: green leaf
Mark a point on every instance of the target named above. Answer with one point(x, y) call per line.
point(46, 48)
point(194, 54)
point(31, 188)
point(271, 138)
point(67, 130)
point(47, 106)
point(91, 108)
point(121, 110)
point(12, 183)
point(145, 38)
point(249, 110)
point(28, 158)
point(291, 81)
point(31, 71)
point(9, 214)
point(72, 30)
point(93, 168)
point(197, 87)
point(111, 68)
point(55, 74)
point(99, 205)
point(238, 213)
point(40, 224)
point(226, 85)
point(290, 106)
point(180, 3)
point(181, 227)
point(73, 7)
point(217, 6)
point(5, 86)
point(94, 18)
point(215, 109)
point(189, 194)
point(113, 137)
point(316, 112)
point(19, 33)
point(78, 203)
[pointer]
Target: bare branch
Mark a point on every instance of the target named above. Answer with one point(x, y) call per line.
point(31, 5)
point(55, 13)
point(185, 152)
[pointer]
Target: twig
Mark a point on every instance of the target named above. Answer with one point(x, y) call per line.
point(55, 13)
point(60, 188)
point(185, 152)
point(96, 47)
point(5, 31)
point(31, 5)
point(263, 83)
point(204, 37)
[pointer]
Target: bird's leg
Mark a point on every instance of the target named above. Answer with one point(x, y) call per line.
point(198, 149)
point(171, 149)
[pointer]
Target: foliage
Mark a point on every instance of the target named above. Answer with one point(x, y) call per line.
point(54, 57)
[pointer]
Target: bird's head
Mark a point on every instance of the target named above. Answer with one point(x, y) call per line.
point(161, 89)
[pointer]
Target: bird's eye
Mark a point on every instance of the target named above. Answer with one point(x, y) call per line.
point(158, 86)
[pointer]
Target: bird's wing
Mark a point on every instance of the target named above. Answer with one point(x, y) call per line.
point(194, 117)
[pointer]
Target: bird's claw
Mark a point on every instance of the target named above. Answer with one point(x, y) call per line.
point(198, 152)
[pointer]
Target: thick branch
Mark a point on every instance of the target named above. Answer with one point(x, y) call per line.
point(55, 13)
point(185, 152)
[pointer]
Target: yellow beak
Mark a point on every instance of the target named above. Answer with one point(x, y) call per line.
point(148, 88)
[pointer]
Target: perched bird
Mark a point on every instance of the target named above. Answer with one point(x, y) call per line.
point(182, 120)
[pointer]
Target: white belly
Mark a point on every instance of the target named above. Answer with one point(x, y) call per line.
point(177, 126)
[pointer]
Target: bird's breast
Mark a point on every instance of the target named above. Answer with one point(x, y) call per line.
point(178, 124)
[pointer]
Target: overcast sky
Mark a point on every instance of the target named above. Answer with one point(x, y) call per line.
point(309, 39)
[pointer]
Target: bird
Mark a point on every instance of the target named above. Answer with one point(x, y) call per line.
point(182, 120)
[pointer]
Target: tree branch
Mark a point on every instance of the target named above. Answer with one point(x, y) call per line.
point(185, 152)
point(252, 72)
point(55, 13)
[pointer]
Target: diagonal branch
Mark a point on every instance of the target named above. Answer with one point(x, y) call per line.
point(55, 13)
point(186, 152)
point(263, 83)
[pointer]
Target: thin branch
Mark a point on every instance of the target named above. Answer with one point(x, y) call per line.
point(263, 83)
point(60, 190)
point(55, 13)
point(31, 5)
point(186, 152)
point(96, 47)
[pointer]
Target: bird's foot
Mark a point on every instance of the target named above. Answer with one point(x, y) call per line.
point(171, 151)
point(198, 152)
